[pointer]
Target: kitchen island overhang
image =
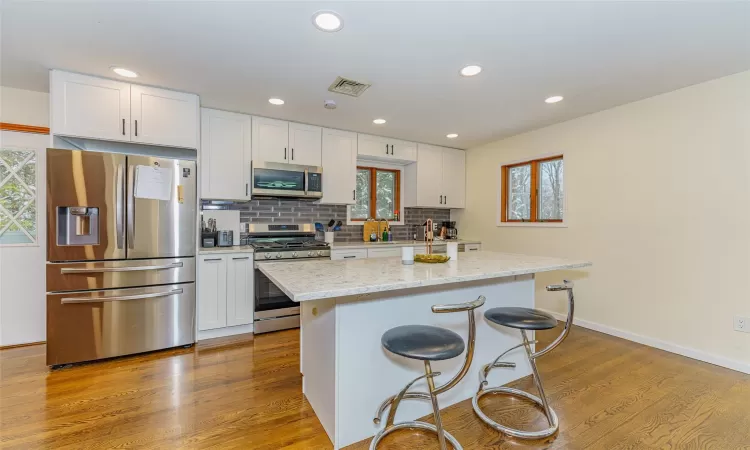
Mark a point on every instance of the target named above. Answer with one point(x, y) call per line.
point(348, 305)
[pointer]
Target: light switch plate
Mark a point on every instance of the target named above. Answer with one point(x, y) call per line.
point(742, 324)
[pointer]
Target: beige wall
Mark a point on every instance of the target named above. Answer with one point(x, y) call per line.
point(658, 197)
point(24, 107)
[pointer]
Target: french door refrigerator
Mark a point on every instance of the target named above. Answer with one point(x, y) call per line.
point(120, 254)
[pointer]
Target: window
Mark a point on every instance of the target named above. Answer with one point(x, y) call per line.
point(18, 197)
point(378, 194)
point(533, 191)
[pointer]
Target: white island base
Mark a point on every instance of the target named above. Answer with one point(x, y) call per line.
point(347, 373)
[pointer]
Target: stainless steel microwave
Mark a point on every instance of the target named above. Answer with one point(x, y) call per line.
point(269, 179)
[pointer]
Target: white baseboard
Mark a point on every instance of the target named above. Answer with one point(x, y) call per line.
point(224, 332)
point(661, 345)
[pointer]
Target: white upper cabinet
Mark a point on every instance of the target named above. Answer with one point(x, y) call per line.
point(90, 107)
point(98, 108)
point(304, 144)
point(380, 148)
point(438, 179)
point(163, 117)
point(270, 140)
point(225, 155)
point(454, 178)
point(339, 167)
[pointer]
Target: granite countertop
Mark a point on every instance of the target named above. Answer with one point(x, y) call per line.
point(219, 250)
point(318, 279)
point(361, 244)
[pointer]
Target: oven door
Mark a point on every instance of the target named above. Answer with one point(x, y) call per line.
point(274, 310)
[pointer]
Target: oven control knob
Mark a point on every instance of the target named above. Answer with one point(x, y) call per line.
point(267, 255)
point(320, 252)
point(310, 253)
point(278, 255)
point(294, 254)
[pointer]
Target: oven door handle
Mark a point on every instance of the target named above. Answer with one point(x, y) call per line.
point(305, 184)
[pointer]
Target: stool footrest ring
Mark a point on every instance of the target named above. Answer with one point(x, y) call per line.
point(521, 434)
point(413, 424)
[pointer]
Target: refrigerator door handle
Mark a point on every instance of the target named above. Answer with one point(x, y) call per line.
point(131, 207)
point(72, 270)
point(119, 211)
point(117, 298)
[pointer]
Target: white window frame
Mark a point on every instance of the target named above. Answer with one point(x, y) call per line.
point(501, 183)
point(37, 155)
point(380, 165)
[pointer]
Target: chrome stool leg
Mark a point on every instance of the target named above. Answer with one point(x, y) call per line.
point(393, 402)
point(540, 401)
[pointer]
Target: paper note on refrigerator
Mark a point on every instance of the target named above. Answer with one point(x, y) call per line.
point(153, 182)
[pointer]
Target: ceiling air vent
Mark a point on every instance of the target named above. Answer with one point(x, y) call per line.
point(348, 87)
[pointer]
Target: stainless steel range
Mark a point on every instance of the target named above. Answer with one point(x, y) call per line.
point(287, 243)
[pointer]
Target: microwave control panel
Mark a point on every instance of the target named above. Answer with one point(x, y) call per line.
point(314, 182)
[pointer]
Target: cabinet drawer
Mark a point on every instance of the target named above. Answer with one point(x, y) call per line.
point(349, 254)
point(471, 247)
point(384, 252)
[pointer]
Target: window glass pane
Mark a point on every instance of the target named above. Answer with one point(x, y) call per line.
point(17, 196)
point(386, 194)
point(361, 209)
point(519, 193)
point(551, 190)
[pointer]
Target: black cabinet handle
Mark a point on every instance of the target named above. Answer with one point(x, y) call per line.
point(386, 149)
point(292, 153)
point(123, 127)
point(349, 257)
point(284, 153)
point(441, 199)
point(391, 149)
point(445, 200)
point(136, 127)
point(241, 258)
point(354, 194)
point(246, 187)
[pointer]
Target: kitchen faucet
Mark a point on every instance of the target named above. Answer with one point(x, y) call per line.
point(380, 235)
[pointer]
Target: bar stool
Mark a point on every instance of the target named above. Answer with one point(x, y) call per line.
point(525, 319)
point(427, 343)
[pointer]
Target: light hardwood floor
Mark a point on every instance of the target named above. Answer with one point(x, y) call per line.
point(244, 392)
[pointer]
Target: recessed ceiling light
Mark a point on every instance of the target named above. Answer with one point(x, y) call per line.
point(124, 72)
point(470, 71)
point(327, 21)
point(276, 101)
point(378, 121)
point(451, 136)
point(554, 99)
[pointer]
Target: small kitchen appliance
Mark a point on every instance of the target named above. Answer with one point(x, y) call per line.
point(224, 238)
point(269, 179)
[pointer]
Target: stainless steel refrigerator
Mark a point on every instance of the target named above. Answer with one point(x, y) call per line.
point(120, 254)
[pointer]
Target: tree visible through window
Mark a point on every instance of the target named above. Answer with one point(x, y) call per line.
point(533, 191)
point(17, 196)
point(380, 202)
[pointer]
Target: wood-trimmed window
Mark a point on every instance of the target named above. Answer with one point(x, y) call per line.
point(378, 194)
point(533, 191)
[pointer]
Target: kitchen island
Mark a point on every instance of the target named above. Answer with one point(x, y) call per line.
point(348, 305)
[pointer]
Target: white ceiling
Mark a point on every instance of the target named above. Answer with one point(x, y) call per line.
point(236, 55)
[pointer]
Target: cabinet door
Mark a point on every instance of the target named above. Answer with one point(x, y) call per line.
point(225, 155)
point(374, 146)
point(164, 117)
point(89, 107)
point(454, 178)
point(403, 150)
point(270, 140)
point(430, 176)
point(304, 144)
point(384, 252)
point(240, 291)
point(339, 167)
point(212, 292)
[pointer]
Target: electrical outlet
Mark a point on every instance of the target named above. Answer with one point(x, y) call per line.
point(434, 226)
point(742, 324)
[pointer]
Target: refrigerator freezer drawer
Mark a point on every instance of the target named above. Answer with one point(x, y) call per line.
point(85, 326)
point(83, 276)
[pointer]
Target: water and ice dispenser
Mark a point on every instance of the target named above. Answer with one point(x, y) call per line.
point(77, 225)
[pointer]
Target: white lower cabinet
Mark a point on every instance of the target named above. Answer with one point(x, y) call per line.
point(349, 254)
point(225, 292)
point(383, 252)
point(472, 247)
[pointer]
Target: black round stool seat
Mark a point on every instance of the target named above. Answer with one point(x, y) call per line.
point(423, 342)
point(521, 318)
